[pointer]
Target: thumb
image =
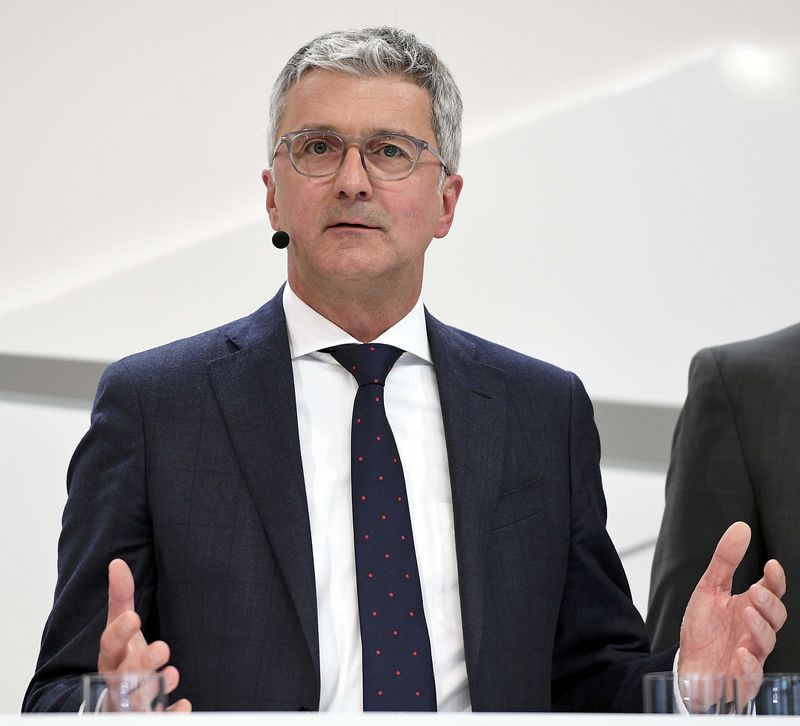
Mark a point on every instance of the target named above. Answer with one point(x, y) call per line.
point(726, 558)
point(120, 589)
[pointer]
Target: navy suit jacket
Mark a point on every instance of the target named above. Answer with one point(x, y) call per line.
point(191, 472)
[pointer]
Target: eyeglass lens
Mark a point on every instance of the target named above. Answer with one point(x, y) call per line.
point(386, 156)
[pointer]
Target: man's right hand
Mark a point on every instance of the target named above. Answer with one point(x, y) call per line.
point(123, 647)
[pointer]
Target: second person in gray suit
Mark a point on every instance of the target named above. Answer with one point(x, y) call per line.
point(735, 456)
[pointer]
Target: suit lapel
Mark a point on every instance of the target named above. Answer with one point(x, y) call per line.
point(473, 400)
point(254, 388)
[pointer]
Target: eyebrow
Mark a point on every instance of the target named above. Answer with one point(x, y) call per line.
point(374, 131)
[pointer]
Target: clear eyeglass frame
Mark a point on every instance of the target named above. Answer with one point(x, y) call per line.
point(363, 144)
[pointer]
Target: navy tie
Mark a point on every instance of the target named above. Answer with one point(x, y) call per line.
point(397, 666)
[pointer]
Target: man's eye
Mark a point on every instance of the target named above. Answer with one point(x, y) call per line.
point(394, 151)
point(314, 146)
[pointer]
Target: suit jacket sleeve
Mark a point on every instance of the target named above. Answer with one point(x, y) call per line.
point(708, 488)
point(601, 650)
point(106, 516)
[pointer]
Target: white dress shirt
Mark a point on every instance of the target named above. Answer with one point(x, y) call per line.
point(325, 392)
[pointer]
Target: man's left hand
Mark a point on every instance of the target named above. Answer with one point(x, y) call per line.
point(732, 634)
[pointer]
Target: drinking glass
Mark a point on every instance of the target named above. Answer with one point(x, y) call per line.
point(123, 692)
point(776, 694)
point(687, 693)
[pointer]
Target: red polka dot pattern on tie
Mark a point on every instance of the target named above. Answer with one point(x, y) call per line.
point(397, 665)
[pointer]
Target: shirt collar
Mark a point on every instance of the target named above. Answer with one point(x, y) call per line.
point(309, 331)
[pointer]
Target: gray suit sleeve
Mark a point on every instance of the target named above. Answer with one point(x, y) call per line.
point(708, 487)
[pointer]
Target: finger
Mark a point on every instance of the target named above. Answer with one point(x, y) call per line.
point(146, 696)
point(726, 558)
point(762, 636)
point(182, 706)
point(120, 589)
point(117, 640)
point(750, 672)
point(768, 605)
point(774, 578)
point(171, 678)
point(150, 658)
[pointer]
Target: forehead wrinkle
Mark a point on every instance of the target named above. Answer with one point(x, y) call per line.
point(347, 112)
point(357, 107)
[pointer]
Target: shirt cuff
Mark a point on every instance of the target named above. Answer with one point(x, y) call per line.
point(751, 708)
point(676, 689)
point(101, 699)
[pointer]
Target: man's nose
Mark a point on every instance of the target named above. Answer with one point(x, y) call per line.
point(352, 179)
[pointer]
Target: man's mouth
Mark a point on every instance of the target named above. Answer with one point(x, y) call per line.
point(351, 225)
point(355, 218)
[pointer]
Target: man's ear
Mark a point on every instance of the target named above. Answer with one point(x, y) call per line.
point(268, 178)
point(450, 193)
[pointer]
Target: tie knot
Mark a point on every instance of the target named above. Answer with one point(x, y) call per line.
point(367, 362)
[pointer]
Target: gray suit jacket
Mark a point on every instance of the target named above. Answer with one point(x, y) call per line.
point(735, 456)
point(191, 471)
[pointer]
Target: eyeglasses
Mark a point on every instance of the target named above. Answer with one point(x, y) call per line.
point(387, 157)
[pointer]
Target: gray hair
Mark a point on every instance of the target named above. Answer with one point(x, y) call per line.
point(378, 51)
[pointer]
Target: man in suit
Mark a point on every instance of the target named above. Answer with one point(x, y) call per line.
point(217, 470)
point(735, 456)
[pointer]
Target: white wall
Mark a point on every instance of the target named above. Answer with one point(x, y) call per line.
point(635, 500)
point(618, 237)
point(614, 238)
point(37, 444)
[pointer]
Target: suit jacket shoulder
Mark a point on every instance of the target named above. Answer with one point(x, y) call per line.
point(179, 359)
point(760, 379)
point(512, 363)
point(772, 359)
